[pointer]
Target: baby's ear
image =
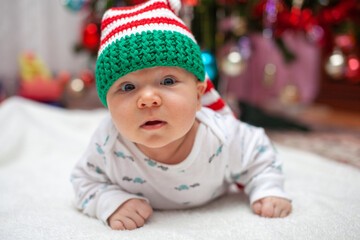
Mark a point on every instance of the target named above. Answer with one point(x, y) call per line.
point(201, 87)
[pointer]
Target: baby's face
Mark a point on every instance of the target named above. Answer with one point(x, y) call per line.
point(155, 106)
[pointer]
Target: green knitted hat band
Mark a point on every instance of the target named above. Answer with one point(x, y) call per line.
point(136, 38)
point(148, 49)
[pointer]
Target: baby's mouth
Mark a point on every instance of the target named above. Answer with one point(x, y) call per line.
point(150, 123)
point(154, 124)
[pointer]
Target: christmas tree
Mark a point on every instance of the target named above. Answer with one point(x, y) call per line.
point(333, 26)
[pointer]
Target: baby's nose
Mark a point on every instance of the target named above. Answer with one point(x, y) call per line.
point(149, 99)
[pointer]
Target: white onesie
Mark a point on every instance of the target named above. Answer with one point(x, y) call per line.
point(226, 151)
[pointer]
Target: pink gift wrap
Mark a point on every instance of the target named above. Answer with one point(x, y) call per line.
point(304, 72)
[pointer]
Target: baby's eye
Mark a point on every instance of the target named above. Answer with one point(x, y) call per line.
point(168, 81)
point(127, 87)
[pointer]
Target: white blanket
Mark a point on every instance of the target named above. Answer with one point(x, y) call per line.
point(40, 144)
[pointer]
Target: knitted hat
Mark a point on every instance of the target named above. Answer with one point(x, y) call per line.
point(144, 36)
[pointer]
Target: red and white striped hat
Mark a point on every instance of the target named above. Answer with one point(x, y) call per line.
point(142, 36)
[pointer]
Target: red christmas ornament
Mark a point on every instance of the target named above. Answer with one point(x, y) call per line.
point(346, 42)
point(190, 2)
point(88, 77)
point(352, 72)
point(91, 37)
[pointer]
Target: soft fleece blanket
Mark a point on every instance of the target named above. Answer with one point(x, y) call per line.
point(40, 144)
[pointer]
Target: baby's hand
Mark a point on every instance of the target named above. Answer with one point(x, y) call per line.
point(130, 215)
point(272, 207)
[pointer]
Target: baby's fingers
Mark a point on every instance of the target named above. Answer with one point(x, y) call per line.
point(267, 209)
point(145, 210)
point(277, 211)
point(137, 219)
point(257, 207)
point(116, 225)
point(129, 223)
point(284, 213)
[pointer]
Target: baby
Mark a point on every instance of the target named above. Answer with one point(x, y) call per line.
point(159, 148)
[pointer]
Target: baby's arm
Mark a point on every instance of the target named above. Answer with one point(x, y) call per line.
point(95, 194)
point(259, 171)
point(94, 179)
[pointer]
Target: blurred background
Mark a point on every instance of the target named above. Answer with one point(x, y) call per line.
point(291, 66)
